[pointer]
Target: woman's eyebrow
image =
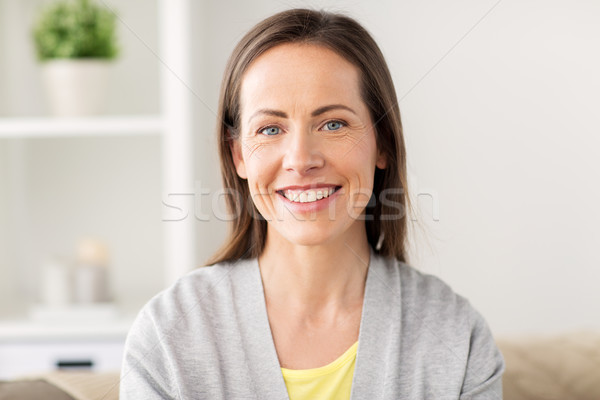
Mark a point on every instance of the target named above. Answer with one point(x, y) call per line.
point(268, 111)
point(315, 113)
point(330, 107)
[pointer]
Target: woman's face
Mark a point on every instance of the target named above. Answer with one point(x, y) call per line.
point(307, 144)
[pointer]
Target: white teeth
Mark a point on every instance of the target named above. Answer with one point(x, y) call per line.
point(308, 196)
point(290, 195)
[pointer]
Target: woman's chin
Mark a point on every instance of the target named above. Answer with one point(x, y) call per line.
point(304, 234)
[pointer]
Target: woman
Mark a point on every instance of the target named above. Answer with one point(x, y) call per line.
point(311, 297)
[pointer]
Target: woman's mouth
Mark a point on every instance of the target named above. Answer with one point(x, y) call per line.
point(309, 195)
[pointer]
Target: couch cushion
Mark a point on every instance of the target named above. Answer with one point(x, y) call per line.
point(557, 367)
point(63, 385)
point(31, 390)
point(86, 385)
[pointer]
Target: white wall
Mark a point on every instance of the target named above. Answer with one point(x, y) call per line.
point(209, 231)
point(6, 259)
point(499, 103)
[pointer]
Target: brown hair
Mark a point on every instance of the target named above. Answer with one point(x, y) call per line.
point(388, 215)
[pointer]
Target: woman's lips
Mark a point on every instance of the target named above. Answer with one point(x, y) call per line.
point(301, 203)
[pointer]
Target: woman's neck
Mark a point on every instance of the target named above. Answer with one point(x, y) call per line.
point(315, 280)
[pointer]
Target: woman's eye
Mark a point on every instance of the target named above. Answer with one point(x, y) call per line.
point(333, 125)
point(269, 130)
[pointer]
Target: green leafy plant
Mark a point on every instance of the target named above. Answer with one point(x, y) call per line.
point(75, 29)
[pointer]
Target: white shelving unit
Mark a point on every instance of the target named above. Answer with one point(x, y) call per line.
point(173, 127)
point(35, 127)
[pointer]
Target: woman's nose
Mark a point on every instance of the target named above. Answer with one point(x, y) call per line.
point(303, 153)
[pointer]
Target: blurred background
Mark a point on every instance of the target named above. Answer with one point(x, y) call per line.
point(499, 101)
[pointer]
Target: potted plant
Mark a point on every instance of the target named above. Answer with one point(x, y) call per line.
point(75, 41)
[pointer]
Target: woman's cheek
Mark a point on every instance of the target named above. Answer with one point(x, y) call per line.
point(262, 150)
point(251, 149)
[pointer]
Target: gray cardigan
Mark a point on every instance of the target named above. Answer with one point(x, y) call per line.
point(208, 337)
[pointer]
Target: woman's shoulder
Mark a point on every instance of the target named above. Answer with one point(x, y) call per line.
point(414, 282)
point(427, 296)
point(429, 304)
point(198, 294)
point(421, 285)
point(439, 327)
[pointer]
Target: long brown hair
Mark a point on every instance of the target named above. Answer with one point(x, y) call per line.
point(387, 215)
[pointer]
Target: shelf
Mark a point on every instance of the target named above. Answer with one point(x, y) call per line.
point(80, 127)
point(32, 331)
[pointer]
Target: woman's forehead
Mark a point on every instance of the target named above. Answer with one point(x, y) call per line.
point(299, 73)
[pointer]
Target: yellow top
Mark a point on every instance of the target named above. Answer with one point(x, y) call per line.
point(330, 382)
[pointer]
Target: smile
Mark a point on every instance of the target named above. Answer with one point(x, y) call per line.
point(308, 196)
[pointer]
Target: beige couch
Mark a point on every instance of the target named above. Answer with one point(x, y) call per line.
point(549, 367)
point(557, 367)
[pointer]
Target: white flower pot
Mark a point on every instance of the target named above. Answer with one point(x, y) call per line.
point(76, 87)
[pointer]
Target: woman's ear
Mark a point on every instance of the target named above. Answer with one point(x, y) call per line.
point(238, 159)
point(381, 162)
